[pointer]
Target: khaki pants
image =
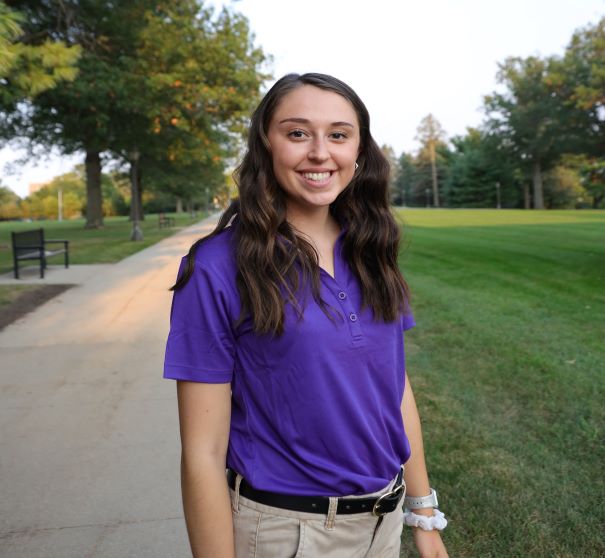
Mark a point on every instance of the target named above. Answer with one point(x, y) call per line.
point(262, 531)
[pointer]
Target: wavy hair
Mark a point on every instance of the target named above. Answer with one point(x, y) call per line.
point(273, 260)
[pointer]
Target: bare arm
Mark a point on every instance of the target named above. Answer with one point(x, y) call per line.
point(416, 477)
point(429, 543)
point(204, 416)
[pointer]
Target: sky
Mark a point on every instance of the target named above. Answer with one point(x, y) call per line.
point(405, 59)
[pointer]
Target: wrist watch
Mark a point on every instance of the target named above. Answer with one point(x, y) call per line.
point(421, 502)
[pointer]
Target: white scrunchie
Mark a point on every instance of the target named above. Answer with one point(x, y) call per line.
point(437, 521)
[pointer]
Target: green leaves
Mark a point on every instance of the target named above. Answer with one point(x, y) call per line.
point(524, 112)
point(552, 107)
point(28, 70)
point(175, 81)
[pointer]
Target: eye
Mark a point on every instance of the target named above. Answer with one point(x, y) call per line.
point(338, 135)
point(296, 134)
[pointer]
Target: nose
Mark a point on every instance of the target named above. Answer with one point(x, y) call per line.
point(319, 150)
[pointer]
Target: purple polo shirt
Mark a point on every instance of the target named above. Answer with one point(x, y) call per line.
point(315, 411)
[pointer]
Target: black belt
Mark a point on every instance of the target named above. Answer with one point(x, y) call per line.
point(319, 504)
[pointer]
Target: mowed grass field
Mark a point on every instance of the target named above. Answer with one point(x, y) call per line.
point(507, 362)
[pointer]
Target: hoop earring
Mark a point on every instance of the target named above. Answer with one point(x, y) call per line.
point(356, 165)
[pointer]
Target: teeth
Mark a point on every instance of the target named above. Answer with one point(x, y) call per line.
point(317, 176)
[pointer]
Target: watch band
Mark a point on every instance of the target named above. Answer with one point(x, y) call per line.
point(421, 502)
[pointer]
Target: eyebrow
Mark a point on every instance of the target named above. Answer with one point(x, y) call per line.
point(306, 121)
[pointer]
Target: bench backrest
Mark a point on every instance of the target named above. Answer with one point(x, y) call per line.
point(28, 238)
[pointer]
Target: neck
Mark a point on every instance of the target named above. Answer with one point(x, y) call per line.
point(317, 224)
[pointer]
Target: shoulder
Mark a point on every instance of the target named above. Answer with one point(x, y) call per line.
point(217, 253)
point(212, 281)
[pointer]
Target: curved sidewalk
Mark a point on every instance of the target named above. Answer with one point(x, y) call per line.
point(90, 448)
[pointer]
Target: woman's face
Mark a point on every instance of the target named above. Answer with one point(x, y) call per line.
point(314, 138)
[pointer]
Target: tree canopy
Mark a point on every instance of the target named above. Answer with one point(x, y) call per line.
point(543, 131)
point(172, 82)
point(28, 70)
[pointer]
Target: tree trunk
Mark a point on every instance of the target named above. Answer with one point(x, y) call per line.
point(135, 212)
point(140, 192)
point(139, 200)
point(133, 189)
point(538, 189)
point(526, 197)
point(94, 197)
point(434, 176)
point(179, 205)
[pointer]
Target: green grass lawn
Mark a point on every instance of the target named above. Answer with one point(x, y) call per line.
point(507, 363)
point(508, 366)
point(86, 246)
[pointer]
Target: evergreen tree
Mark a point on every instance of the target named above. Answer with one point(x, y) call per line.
point(481, 174)
point(404, 181)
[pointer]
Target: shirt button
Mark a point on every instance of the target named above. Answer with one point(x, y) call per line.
point(342, 295)
point(353, 317)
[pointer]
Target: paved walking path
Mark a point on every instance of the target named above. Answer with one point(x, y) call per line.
point(89, 447)
point(55, 274)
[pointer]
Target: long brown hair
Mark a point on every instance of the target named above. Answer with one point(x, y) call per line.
point(273, 261)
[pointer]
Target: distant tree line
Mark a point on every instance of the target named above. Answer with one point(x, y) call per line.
point(161, 91)
point(157, 96)
point(541, 144)
point(68, 191)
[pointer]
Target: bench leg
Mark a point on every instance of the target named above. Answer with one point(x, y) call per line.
point(42, 266)
point(66, 259)
point(16, 269)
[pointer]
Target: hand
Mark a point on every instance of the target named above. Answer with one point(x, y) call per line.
point(429, 543)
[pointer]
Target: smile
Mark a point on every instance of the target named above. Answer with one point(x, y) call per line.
point(316, 177)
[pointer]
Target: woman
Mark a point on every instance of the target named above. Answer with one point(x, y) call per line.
point(287, 343)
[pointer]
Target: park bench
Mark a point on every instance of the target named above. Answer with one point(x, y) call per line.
point(165, 221)
point(31, 245)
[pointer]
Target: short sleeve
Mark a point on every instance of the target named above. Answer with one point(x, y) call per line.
point(407, 320)
point(200, 345)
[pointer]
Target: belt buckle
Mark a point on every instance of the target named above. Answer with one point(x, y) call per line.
point(398, 489)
